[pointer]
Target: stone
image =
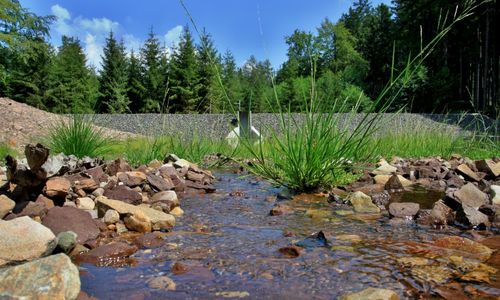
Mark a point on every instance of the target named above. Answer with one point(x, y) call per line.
point(149, 241)
point(181, 163)
point(60, 219)
point(441, 214)
point(6, 205)
point(111, 217)
point(177, 211)
point(161, 283)
point(166, 196)
point(495, 194)
point(86, 184)
point(384, 169)
point(119, 165)
point(161, 219)
point(405, 210)
point(132, 178)
point(159, 183)
point(45, 201)
point(85, 203)
point(372, 294)
point(53, 277)
point(383, 179)
point(111, 254)
point(98, 192)
point(34, 209)
point(471, 217)
point(471, 196)
point(280, 209)
point(362, 203)
point(123, 193)
point(460, 246)
point(66, 241)
point(23, 239)
point(138, 222)
point(488, 166)
point(57, 187)
point(36, 155)
point(393, 184)
point(467, 172)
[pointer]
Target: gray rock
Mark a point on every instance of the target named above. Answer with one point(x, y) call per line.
point(6, 205)
point(98, 192)
point(182, 163)
point(405, 210)
point(53, 277)
point(467, 172)
point(85, 203)
point(384, 169)
point(66, 241)
point(471, 217)
point(495, 194)
point(166, 196)
point(471, 196)
point(441, 214)
point(111, 217)
point(161, 283)
point(372, 294)
point(23, 239)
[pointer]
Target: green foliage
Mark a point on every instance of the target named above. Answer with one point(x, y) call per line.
point(78, 137)
point(153, 79)
point(113, 78)
point(135, 86)
point(6, 150)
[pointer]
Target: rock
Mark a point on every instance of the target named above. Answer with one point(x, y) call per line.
point(34, 209)
point(488, 166)
point(384, 169)
point(372, 294)
point(353, 238)
point(159, 183)
point(383, 179)
point(119, 165)
point(436, 274)
point(138, 222)
point(98, 192)
point(198, 186)
point(313, 241)
point(6, 205)
point(149, 241)
point(441, 214)
point(170, 196)
point(85, 203)
point(467, 172)
point(66, 241)
point(471, 196)
point(471, 217)
point(161, 283)
point(495, 194)
point(45, 201)
point(86, 184)
point(181, 163)
point(159, 219)
point(111, 217)
point(60, 219)
point(54, 164)
point(409, 261)
point(112, 254)
point(290, 251)
point(405, 210)
point(123, 193)
point(23, 239)
point(57, 187)
point(36, 155)
point(280, 209)
point(177, 212)
point(131, 178)
point(362, 203)
point(459, 246)
point(53, 277)
point(393, 184)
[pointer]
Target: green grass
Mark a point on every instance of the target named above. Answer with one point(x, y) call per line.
point(78, 137)
point(6, 150)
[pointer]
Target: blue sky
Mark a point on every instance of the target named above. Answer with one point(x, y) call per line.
point(245, 27)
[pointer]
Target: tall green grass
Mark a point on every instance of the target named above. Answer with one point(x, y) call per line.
point(78, 136)
point(4, 151)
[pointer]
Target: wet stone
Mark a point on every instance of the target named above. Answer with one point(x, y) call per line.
point(404, 210)
point(123, 193)
point(112, 254)
point(60, 219)
point(372, 293)
point(362, 203)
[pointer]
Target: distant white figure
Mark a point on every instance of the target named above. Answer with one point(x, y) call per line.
point(233, 138)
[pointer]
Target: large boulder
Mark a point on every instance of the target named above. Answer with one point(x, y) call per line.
point(471, 196)
point(23, 239)
point(53, 277)
point(60, 219)
point(158, 218)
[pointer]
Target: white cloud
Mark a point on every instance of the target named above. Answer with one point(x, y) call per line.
point(132, 43)
point(96, 25)
point(62, 14)
point(172, 37)
point(93, 50)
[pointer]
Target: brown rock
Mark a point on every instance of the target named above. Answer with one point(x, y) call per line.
point(488, 166)
point(60, 219)
point(86, 184)
point(97, 173)
point(138, 222)
point(405, 210)
point(280, 209)
point(471, 217)
point(123, 193)
point(57, 187)
point(6, 205)
point(160, 183)
point(107, 255)
point(441, 214)
point(149, 240)
point(393, 184)
point(291, 251)
point(116, 166)
point(197, 186)
point(467, 172)
point(132, 179)
point(34, 209)
point(471, 196)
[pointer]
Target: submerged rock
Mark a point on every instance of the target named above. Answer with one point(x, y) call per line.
point(53, 277)
point(372, 294)
point(315, 240)
point(405, 210)
point(23, 239)
point(112, 254)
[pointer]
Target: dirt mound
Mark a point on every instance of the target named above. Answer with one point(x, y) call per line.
point(21, 124)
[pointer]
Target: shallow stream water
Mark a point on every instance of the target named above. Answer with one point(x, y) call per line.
point(226, 244)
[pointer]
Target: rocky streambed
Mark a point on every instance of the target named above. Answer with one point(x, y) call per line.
point(430, 233)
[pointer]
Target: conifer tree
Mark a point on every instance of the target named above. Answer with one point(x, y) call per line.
point(209, 90)
point(113, 78)
point(152, 77)
point(135, 88)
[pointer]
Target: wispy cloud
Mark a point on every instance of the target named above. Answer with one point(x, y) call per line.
point(173, 36)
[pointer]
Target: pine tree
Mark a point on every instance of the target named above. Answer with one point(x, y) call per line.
point(231, 83)
point(71, 87)
point(113, 78)
point(209, 91)
point(152, 78)
point(183, 76)
point(134, 82)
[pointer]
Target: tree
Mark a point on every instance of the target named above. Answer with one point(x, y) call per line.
point(153, 79)
point(135, 89)
point(231, 83)
point(113, 78)
point(184, 76)
point(71, 87)
point(209, 90)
